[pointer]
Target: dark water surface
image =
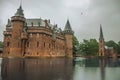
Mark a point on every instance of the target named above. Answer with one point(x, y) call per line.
point(60, 69)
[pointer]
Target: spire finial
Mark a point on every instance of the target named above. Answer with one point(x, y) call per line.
point(67, 18)
point(101, 32)
point(21, 3)
point(20, 10)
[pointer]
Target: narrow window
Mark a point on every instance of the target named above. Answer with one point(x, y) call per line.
point(38, 23)
point(27, 44)
point(44, 44)
point(37, 53)
point(37, 44)
point(32, 24)
point(8, 44)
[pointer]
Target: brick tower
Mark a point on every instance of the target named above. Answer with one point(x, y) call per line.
point(68, 38)
point(17, 21)
point(101, 44)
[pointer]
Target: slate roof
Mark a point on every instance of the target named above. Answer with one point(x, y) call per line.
point(35, 22)
point(9, 23)
point(101, 32)
point(19, 12)
point(68, 26)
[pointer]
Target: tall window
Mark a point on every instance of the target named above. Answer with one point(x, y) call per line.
point(8, 44)
point(27, 44)
point(44, 44)
point(37, 53)
point(37, 44)
point(32, 24)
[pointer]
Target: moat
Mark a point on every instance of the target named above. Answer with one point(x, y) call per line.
point(59, 69)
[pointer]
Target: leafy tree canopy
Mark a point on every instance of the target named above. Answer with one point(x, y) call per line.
point(75, 45)
point(89, 47)
point(113, 44)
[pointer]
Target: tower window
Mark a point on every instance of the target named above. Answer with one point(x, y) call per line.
point(38, 23)
point(37, 53)
point(8, 44)
point(37, 44)
point(27, 44)
point(44, 44)
point(32, 24)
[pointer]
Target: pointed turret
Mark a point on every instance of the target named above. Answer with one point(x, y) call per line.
point(68, 32)
point(19, 12)
point(18, 30)
point(68, 28)
point(9, 23)
point(101, 43)
point(101, 32)
point(19, 15)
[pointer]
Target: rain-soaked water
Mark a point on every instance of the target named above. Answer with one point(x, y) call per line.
point(60, 69)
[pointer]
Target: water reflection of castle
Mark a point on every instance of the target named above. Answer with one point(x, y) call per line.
point(36, 69)
point(54, 69)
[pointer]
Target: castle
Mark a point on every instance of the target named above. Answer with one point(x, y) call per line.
point(36, 38)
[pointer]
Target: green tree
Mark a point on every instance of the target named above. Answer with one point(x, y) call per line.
point(89, 47)
point(75, 45)
point(111, 43)
point(1, 44)
point(119, 47)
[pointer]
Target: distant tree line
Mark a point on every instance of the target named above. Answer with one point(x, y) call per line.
point(91, 46)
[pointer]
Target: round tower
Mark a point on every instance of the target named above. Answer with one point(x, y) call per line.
point(18, 21)
point(68, 39)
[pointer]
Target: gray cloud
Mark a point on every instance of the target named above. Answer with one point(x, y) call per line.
point(85, 15)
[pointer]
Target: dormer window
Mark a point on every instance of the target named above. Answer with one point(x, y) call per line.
point(38, 23)
point(32, 24)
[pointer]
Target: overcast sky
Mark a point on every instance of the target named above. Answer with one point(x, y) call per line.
point(85, 15)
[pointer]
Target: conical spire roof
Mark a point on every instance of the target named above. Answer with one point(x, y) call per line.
point(9, 23)
point(67, 26)
point(101, 32)
point(19, 12)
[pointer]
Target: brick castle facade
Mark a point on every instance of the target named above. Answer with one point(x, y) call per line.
point(36, 38)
